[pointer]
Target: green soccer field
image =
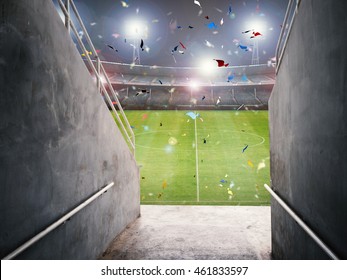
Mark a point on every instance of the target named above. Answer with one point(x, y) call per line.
point(177, 167)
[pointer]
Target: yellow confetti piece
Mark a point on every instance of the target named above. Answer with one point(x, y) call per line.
point(230, 192)
point(164, 185)
point(250, 163)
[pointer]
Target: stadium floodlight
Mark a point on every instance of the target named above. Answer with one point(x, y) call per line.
point(136, 29)
point(208, 67)
point(256, 24)
point(194, 85)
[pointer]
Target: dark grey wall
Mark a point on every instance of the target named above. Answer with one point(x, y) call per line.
point(58, 142)
point(308, 132)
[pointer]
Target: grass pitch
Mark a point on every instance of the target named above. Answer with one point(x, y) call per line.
point(177, 167)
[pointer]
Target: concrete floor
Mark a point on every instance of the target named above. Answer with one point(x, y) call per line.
point(195, 232)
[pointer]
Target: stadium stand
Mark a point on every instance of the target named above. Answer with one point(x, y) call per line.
point(171, 87)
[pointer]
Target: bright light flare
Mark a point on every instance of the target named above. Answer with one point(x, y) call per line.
point(208, 67)
point(194, 85)
point(258, 24)
point(136, 29)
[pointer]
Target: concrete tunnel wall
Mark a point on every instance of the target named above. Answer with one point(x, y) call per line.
point(308, 133)
point(59, 144)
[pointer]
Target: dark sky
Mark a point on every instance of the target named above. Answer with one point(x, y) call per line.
point(110, 21)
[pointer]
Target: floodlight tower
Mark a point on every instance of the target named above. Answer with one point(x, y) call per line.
point(255, 53)
point(135, 31)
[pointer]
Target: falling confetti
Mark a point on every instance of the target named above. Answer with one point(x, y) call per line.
point(164, 185)
point(172, 141)
point(208, 44)
point(197, 3)
point(84, 54)
point(92, 23)
point(230, 77)
point(242, 47)
point(221, 63)
point(250, 163)
point(221, 21)
point(112, 47)
point(218, 100)
point(223, 181)
point(261, 165)
point(230, 10)
point(174, 49)
point(255, 34)
point(193, 115)
point(232, 184)
point(124, 4)
point(212, 25)
point(244, 149)
point(183, 45)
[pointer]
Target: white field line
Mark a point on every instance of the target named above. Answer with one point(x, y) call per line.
point(196, 163)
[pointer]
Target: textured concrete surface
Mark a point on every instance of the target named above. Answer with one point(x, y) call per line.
point(308, 133)
point(195, 232)
point(58, 142)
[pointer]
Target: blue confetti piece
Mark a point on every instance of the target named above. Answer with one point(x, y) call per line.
point(223, 181)
point(243, 47)
point(244, 78)
point(193, 115)
point(230, 77)
point(212, 25)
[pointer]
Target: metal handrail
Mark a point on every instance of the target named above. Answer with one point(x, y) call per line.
point(303, 225)
point(283, 38)
point(99, 71)
point(62, 220)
